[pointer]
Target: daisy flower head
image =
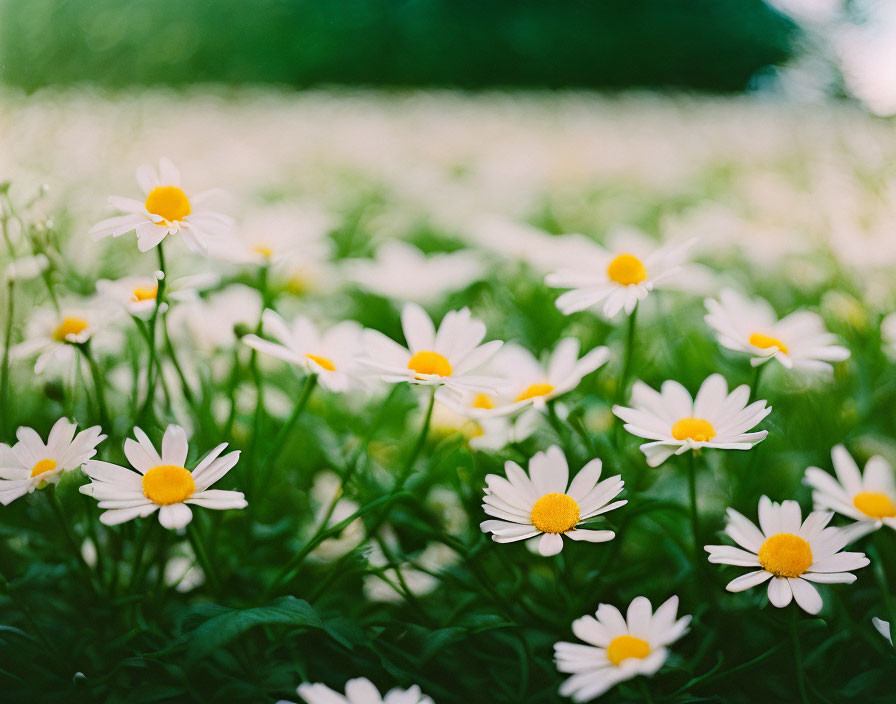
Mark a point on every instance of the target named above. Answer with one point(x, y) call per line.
point(52, 335)
point(361, 691)
point(788, 553)
point(275, 234)
point(618, 277)
point(166, 210)
point(675, 423)
point(138, 294)
point(31, 462)
point(544, 502)
point(161, 482)
point(888, 334)
point(449, 356)
point(868, 498)
point(330, 354)
point(618, 647)
point(798, 341)
point(883, 627)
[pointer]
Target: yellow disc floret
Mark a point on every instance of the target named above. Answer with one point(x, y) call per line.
point(145, 293)
point(874, 504)
point(625, 647)
point(426, 362)
point(535, 391)
point(69, 326)
point(555, 513)
point(627, 269)
point(264, 250)
point(323, 362)
point(168, 484)
point(785, 555)
point(169, 202)
point(43, 467)
point(696, 429)
point(764, 342)
point(483, 401)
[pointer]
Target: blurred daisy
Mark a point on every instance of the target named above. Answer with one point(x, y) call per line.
point(883, 627)
point(402, 272)
point(166, 210)
point(26, 268)
point(545, 503)
point(797, 341)
point(329, 354)
point(31, 462)
point(888, 334)
point(618, 648)
point(137, 294)
point(275, 234)
point(869, 499)
point(675, 423)
point(51, 334)
point(790, 552)
point(618, 278)
point(449, 356)
point(361, 691)
point(161, 482)
point(209, 322)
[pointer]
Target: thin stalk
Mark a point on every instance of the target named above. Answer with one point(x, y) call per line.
point(202, 557)
point(627, 358)
point(798, 655)
point(754, 387)
point(880, 575)
point(153, 369)
point(97, 384)
point(694, 514)
point(185, 387)
point(646, 697)
point(67, 533)
point(4, 370)
point(418, 446)
point(139, 567)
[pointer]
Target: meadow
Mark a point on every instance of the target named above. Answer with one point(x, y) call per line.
point(323, 281)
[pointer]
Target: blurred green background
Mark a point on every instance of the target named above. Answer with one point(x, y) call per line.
point(714, 45)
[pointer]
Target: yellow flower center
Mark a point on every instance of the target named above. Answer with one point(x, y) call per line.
point(626, 269)
point(42, 467)
point(696, 429)
point(874, 504)
point(425, 362)
point(555, 513)
point(625, 647)
point(168, 484)
point(483, 401)
point(535, 391)
point(170, 202)
point(785, 555)
point(763, 341)
point(145, 293)
point(264, 250)
point(69, 326)
point(323, 362)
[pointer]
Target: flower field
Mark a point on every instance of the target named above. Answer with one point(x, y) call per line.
point(429, 397)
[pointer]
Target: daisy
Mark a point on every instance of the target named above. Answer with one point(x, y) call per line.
point(448, 357)
point(137, 294)
point(30, 462)
point(883, 627)
point(797, 341)
point(275, 234)
point(790, 552)
point(869, 499)
point(329, 354)
point(675, 423)
point(545, 503)
point(51, 335)
point(618, 277)
point(166, 210)
point(26, 268)
point(361, 691)
point(619, 648)
point(888, 334)
point(209, 323)
point(161, 482)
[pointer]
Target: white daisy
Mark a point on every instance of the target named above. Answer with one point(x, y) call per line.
point(449, 356)
point(166, 210)
point(883, 627)
point(275, 234)
point(618, 648)
point(161, 482)
point(208, 323)
point(797, 341)
point(618, 277)
point(541, 503)
point(790, 552)
point(869, 499)
point(30, 462)
point(51, 334)
point(675, 423)
point(361, 691)
point(137, 294)
point(888, 334)
point(329, 354)
point(26, 268)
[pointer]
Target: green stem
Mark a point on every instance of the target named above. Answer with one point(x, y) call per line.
point(139, 567)
point(153, 369)
point(185, 387)
point(694, 514)
point(69, 538)
point(4, 370)
point(98, 385)
point(798, 655)
point(202, 557)
point(880, 575)
point(754, 387)
point(418, 446)
point(646, 697)
point(627, 358)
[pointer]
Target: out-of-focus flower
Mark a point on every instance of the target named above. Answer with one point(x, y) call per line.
point(26, 268)
point(30, 462)
point(210, 322)
point(883, 627)
point(449, 357)
point(326, 489)
point(675, 423)
point(869, 498)
point(888, 334)
point(167, 210)
point(790, 552)
point(402, 272)
point(137, 294)
point(161, 482)
point(545, 503)
point(797, 341)
point(275, 234)
point(361, 691)
point(52, 334)
point(618, 648)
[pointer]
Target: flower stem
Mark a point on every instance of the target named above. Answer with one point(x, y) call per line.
point(418, 446)
point(4, 370)
point(97, 384)
point(627, 358)
point(798, 655)
point(880, 575)
point(67, 533)
point(695, 516)
point(646, 697)
point(153, 368)
point(754, 387)
point(202, 557)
